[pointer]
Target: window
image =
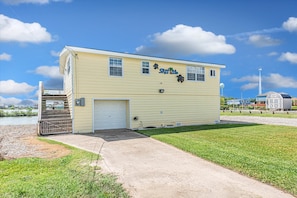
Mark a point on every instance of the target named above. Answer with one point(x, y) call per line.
point(200, 73)
point(212, 72)
point(115, 67)
point(195, 73)
point(191, 73)
point(145, 67)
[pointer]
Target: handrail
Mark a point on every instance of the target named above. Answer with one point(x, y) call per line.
point(48, 127)
point(53, 92)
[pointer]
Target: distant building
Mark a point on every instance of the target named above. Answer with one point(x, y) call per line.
point(238, 102)
point(274, 101)
point(233, 102)
point(260, 101)
point(278, 101)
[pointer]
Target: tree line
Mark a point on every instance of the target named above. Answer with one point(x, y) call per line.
point(18, 113)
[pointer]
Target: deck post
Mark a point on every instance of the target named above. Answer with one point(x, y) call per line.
point(40, 93)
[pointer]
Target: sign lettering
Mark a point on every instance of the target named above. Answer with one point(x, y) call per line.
point(170, 70)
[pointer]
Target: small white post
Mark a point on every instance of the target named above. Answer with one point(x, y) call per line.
point(40, 93)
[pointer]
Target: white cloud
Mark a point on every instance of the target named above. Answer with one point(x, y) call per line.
point(187, 40)
point(273, 54)
point(278, 81)
point(54, 53)
point(225, 72)
point(253, 78)
point(18, 31)
point(249, 86)
point(244, 35)
point(49, 71)
point(66, 1)
point(5, 57)
point(17, 101)
point(288, 56)
point(263, 41)
point(290, 24)
point(17, 2)
point(9, 101)
point(272, 81)
point(252, 82)
point(11, 87)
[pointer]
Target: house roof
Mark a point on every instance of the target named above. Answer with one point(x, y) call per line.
point(284, 95)
point(74, 50)
point(263, 96)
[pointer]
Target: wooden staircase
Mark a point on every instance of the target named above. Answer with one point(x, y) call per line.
point(54, 120)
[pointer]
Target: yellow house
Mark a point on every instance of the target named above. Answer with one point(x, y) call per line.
point(111, 90)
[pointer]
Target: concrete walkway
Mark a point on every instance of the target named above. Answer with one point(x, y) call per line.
point(148, 168)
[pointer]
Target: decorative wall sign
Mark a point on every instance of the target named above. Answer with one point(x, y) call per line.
point(180, 78)
point(170, 70)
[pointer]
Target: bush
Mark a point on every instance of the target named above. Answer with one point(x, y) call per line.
point(28, 112)
point(2, 113)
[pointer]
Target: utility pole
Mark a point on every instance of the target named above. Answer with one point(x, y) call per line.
point(260, 81)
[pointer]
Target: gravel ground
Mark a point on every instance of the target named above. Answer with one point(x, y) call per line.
point(259, 120)
point(12, 140)
point(20, 140)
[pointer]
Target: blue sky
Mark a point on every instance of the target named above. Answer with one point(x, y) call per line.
point(243, 35)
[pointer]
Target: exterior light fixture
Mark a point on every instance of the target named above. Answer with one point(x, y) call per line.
point(161, 90)
point(156, 66)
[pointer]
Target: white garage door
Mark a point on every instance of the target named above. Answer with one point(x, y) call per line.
point(110, 114)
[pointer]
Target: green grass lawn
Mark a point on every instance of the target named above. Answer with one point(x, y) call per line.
point(69, 176)
point(267, 153)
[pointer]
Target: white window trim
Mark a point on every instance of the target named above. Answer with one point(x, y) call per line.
point(121, 67)
point(210, 72)
point(149, 68)
point(194, 70)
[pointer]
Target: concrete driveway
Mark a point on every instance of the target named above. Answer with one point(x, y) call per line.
point(149, 168)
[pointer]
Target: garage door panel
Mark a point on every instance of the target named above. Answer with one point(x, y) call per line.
point(110, 114)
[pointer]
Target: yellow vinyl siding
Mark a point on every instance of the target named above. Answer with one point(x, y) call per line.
point(93, 77)
point(170, 110)
point(187, 103)
point(154, 111)
point(83, 117)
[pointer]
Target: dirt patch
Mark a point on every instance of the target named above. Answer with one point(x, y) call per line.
point(44, 149)
point(22, 141)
